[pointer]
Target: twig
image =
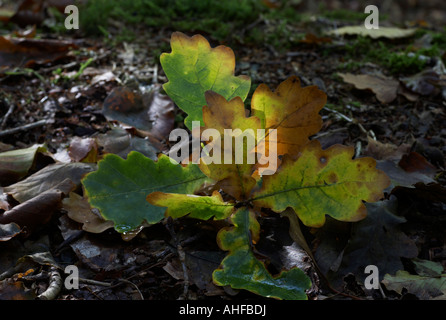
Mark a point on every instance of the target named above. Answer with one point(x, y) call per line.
point(54, 287)
point(25, 127)
point(352, 120)
point(6, 116)
point(343, 116)
point(134, 285)
point(95, 282)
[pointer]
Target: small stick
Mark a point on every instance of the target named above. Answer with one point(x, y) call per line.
point(54, 287)
point(5, 118)
point(25, 127)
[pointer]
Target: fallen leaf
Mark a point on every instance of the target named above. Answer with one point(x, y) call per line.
point(151, 111)
point(80, 211)
point(402, 178)
point(62, 175)
point(15, 290)
point(310, 38)
point(34, 212)
point(428, 268)
point(382, 32)
point(83, 150)
point(377, 240)
point(29, 12)
point(385, 88)
point(15, 164)
point(425, 83)
point(120, 142)
point(9, 230)
point(385, 151)
point(415, 162)
point(23, 52)
point(425, 288)
point(162, 114)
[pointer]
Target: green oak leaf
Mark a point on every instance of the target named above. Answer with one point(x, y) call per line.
point(241, 270)
point(193, 68)
point(119, 187)
point(198, 207)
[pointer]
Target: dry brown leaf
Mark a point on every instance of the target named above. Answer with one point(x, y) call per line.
point(385, 88)
point(382, 32)
point(385, 151)
point(80, 211)
point(23, 52)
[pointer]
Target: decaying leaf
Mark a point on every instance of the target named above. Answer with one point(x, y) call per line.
point(34, 212)
point(241, 270)
point(425, 288)
point(120, 142)
point(323, 182)
point(23, 52)
point(15, 164)
point(193, 68)
point(377, 240)
point(119, 187)
point(15, 290)
point(80, 211)
point(83, 150)
point(126, 105)
point(58, 175)
point(8, 231)
point(385, 88)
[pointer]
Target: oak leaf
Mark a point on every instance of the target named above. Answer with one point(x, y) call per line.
point(241, 270)
point(323, 182)
point(193, 68)
point(234, 171)
point(292, 110)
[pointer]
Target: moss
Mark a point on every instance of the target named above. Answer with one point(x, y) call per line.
point(220, 18)
point(392, 58)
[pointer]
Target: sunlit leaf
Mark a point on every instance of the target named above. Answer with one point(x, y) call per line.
point(199, 207)
point(292, 110)
point(119, 187)
point(193, 68)
point(233, 173)
point(323, 182)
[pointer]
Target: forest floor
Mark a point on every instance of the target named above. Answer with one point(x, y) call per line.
point(386, 97)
